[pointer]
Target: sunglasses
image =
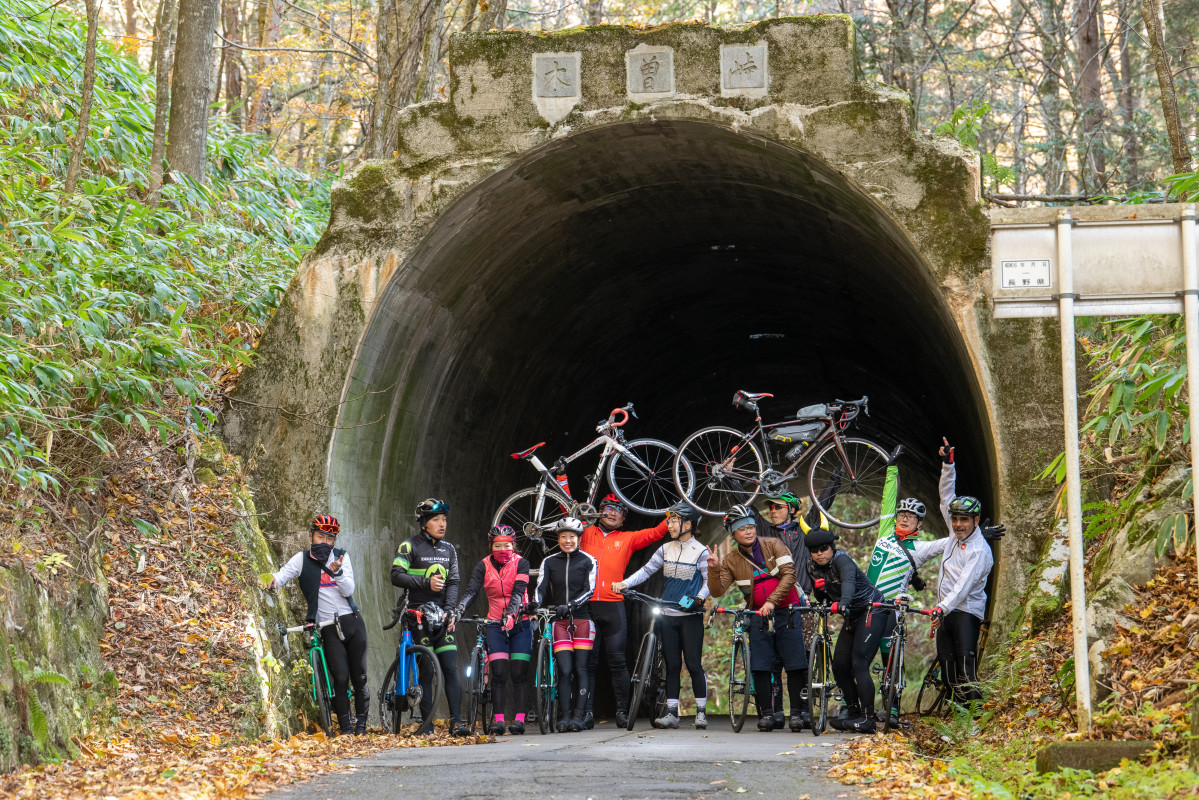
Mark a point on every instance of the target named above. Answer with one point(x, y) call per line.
point(821, 548)
point(613, 510)
point(333, 529)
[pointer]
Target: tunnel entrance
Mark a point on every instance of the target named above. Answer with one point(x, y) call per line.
point(664, 262)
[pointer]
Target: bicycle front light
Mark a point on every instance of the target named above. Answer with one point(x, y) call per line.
point(468, 669)
point(657, 610)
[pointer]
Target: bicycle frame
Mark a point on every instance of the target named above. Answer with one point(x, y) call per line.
point(834, 427)
point(610, 444)
point(315, 645)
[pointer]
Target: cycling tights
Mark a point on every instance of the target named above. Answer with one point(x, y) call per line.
point(683, 640)
point(957, 650)
point(573, 664)
point(347, 664)
point(611, 626)
point(767, 698)
point(857, 645)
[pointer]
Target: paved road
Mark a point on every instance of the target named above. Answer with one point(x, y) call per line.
point(601, 764)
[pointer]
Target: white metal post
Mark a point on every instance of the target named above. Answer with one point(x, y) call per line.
point(1078, 600)
point(1190, 306)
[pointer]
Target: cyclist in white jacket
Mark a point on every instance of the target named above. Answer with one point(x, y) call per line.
point(966, 562)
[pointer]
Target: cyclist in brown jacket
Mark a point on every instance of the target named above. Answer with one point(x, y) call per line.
point(764, 571)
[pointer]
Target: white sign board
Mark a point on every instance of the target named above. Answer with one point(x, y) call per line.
point(1126, 259)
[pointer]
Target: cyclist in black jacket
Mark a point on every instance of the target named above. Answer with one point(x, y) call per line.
point(837, 579)
point(426, 566)
point(566, 583)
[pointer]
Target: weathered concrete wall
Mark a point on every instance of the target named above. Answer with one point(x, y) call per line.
point(386, 322)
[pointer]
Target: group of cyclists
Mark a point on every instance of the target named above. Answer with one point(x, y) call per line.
point(779, 560)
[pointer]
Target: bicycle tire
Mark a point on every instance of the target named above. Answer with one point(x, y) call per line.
point(656, 688)
point(320, 691)
point(858, 503)
point(641, 675)
point(522, 508)
point(932, 692)
point(649, 492)
point(545, 690)
point(478, 689)
point(721, 478)
point(891, 678)
point(387, 698)
point(740, 687)
point(425, 662)
point(819, 678)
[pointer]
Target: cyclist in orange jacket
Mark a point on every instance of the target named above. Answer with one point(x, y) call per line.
point(613, 548)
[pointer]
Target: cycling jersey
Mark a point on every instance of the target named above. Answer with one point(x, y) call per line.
point(410, 570)
point(965, 564)
point(842, 581)
point(567, 579)
point(612, 551)
point(334, 592)
point(890, 570)
point(684, 565)
point(765, 574)
point(503, 585)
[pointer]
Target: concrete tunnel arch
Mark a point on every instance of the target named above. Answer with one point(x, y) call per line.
point(639, 261)
point(509, 277)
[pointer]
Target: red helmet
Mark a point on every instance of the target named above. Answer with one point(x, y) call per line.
point(614, 501)
point(326, 524)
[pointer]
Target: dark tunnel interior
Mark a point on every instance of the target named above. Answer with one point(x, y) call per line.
point(664, 263)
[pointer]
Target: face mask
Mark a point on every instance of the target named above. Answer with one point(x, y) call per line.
point(321, 552)
point(502, 556)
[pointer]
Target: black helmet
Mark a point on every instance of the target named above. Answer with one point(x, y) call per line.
point(819, 538)
point(433, 617)
point(427, 509)
point(966, 506)
point(684, 510)
point(736, 517)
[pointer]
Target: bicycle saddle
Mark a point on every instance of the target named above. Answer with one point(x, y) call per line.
point(754, 396)
point(529, 452)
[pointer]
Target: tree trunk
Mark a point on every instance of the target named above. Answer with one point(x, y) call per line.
point(191, 87)
point(1180, 154)
point(403, 26)
point(130, 20)
point(434, 51)
point(1128, 109)
point(595, 12)
point(233, 98)
point(1092, 162)
point(495, 18)
point(86, 94)
point(1051, 101)
point(162, 94)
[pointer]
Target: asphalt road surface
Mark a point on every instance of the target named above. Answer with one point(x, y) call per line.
point(603, 763)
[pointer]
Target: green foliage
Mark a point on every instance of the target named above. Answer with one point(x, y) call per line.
point(112, 309)
point(28, 680)
point(965, 124)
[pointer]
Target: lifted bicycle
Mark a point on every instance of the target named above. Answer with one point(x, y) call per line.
point(640, 472)
point(728, 466)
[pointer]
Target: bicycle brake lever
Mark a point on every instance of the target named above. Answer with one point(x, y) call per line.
point(632, 413)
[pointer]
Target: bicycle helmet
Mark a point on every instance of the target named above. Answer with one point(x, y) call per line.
point(966, 506)
point(326, 524)
point(791, 501)
point(615, 502)
point(569, 524)
point(427, 509)
point(738, 517)
point(819, 538)
point(913, 506)
point(686, 511)
point(501, 533)
point(433, 617)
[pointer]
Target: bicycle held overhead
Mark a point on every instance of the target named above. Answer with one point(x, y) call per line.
point(641, 472)
point(728, 466)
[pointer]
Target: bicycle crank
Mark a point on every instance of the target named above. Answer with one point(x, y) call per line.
point(773, 482)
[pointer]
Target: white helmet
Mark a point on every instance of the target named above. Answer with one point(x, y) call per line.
point(912, 505)
point(569, 524)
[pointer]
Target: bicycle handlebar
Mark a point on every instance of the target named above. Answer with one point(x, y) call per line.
point(928, 612)
point(645, 598)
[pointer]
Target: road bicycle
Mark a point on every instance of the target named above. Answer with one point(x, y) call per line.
point(741, 685)
point(821, 683)
point(413, 681)
point(647, 685)
point(894, 681)
point(936, 696)
point(478, 675)
point(545, 676)
point(322, 684)
point(640, 472)
point(845, 474)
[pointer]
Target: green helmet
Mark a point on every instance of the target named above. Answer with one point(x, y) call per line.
point(786, 497)
point(966, 506)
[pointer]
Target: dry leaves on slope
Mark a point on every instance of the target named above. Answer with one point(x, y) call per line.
point(888, 767)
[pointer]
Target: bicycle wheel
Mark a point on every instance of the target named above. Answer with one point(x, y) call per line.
point(655, 688)
point(643, 477)
point(545, 688)
point(424, 681)
point(477, 672)
point(819, 680)
point(727, 469)
point(641, 676)
point(525, 511)
point(858, 501)
point(931, 698)
point(320, 691)
point(740, 687)
point(891, 680)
